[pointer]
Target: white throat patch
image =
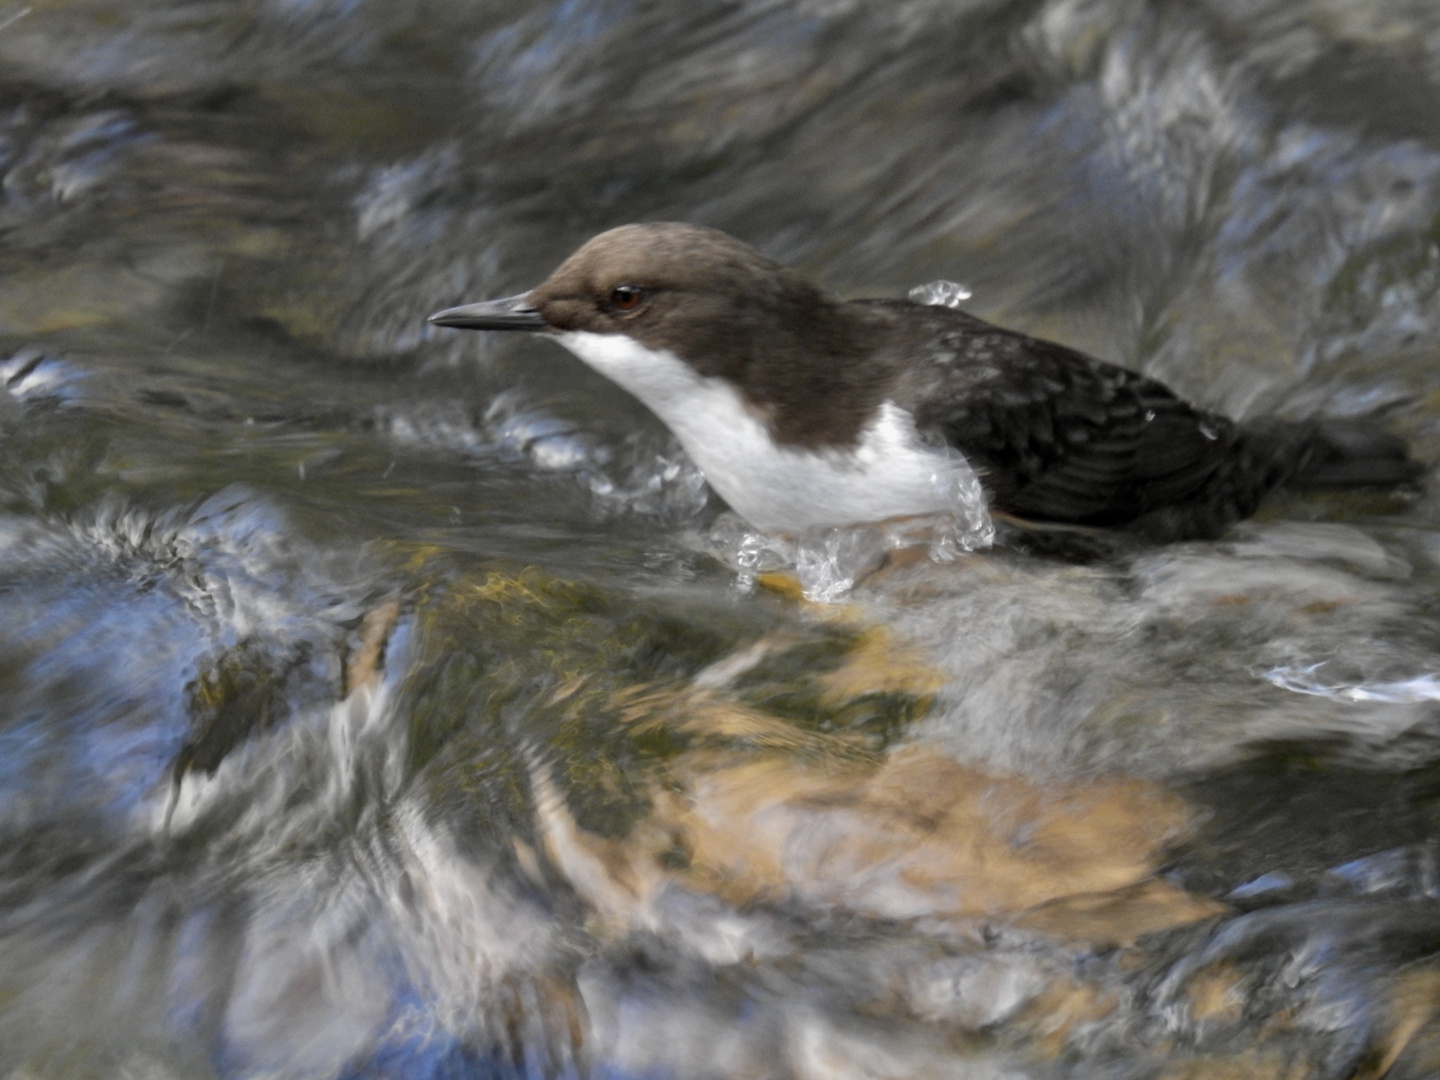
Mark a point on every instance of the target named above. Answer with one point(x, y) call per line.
point(890, 474)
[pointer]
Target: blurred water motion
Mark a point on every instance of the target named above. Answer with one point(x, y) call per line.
point(379, 701)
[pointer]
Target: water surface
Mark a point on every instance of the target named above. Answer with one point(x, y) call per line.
point(376, 700)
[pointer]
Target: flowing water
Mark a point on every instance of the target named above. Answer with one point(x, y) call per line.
point(385, 701)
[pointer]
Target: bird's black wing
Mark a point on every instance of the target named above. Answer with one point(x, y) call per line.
point(1058, 435)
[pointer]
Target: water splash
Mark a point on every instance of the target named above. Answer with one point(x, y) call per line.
point(830, 562)
point(940, 293)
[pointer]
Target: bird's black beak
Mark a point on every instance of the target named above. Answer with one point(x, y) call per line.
point(512, 313)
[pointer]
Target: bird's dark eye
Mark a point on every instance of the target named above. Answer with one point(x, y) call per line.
point(626, 297)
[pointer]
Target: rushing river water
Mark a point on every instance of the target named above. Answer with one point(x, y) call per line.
point(382, 701)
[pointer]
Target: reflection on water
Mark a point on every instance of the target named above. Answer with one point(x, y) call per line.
point(379, 701)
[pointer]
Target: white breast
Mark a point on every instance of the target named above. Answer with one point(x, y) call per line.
point(889, 474)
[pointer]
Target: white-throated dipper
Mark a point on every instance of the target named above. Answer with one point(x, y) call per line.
point(805, 410)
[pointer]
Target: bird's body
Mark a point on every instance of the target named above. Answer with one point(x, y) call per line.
point(885, 472)
point(804, 410)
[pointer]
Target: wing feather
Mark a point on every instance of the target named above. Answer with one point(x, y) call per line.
point(1059, 435)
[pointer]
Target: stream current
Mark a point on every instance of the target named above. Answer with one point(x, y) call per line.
point(383, 701)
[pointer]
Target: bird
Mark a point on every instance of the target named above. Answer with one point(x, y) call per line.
point(804, 410)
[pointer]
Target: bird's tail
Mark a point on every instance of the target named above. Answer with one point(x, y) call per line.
point(1267, 454)
point(1338, 453)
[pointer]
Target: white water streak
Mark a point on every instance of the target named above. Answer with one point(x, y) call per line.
point(1301, 680)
